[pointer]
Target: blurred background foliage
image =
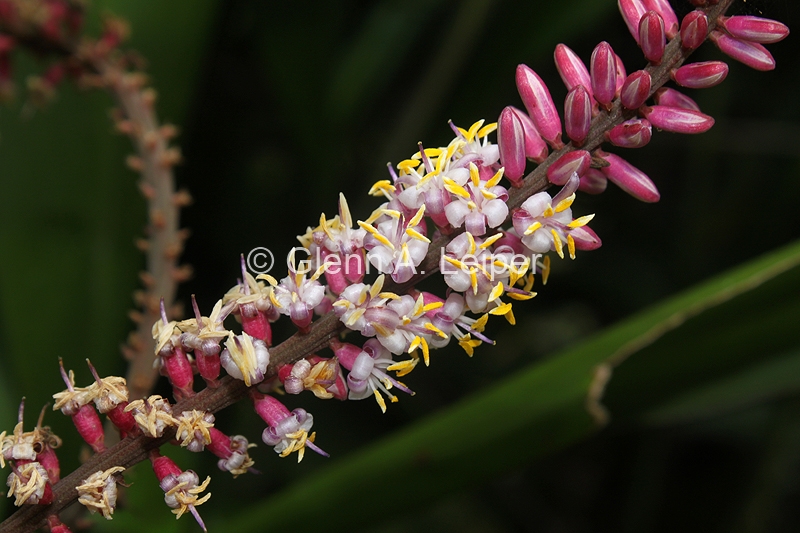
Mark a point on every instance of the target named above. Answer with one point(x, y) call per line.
point(283, 106)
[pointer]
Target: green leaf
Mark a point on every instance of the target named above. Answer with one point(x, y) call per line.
point(540, 410)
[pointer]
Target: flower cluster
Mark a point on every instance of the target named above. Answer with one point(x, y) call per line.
point(469, 197)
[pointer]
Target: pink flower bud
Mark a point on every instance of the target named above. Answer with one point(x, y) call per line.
point(540, 106)
point(755, 29)
point(677, 119)
point(593, 182)
point(571, 69)
point(511, 141)
point(694, 29)
point(672, 98)
point(578, 114)
point(636, 89)
point(633, 133)
point(179, 371)
point(632, 12)
point(701, 75)
point(88, 424)
point(629, 178)
point(535, 147)
point(652, 37)
point(752, 54)
point(564, 167)
point(603, 67)
point(663, 8)
point(585, 239)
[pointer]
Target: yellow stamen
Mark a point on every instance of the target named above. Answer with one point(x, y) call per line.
point(580, 222)
point(431, 306)
point(379, 399)
point(496, 293)
point(382, 187)
point(487, 129)
point(532, 228)
point(496, 178)
point(559, 246)
point(474, 175)
point(455, 188)
point(380, 238)
point(571, 246)
point(491, 240)
point(565, 203)
point(417, 217)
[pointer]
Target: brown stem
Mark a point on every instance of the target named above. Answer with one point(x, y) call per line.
point(133, 450)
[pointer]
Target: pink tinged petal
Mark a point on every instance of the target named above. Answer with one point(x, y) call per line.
point(678, 120)
point(701, 75)
point(585, 238)
point(694, 29)
point(636, 89)
point(593, 182)
point(672, 98)
point(535, 147)
point(511, 138)
point(753, 55)
point(632, 12)
point(633, 133)
point(496, 212)
point(629, 178)
point(475, 223)
point(540, 106)
point(663, 8)
point(603, 67)
point(571, 69)
point(456, 213)
point(564, 167)
point(652, 37)
point(578, 114)
point(755, 29)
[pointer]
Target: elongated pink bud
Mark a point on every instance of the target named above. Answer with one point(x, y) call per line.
point(632, 12)
point(633, 133)
point(535, 147)
point(511, 141)
point(540, 106)
point(701, 75)
point(576, 162)
point(677, 119)
point(663, 8)
point(636, 89)
point(755, 29)
point(603, 68)
point(629, 178)
point(652, 37)
point(752, 54)
point(593, 182)
point(672, 98)
point(578, 114)
point(571, 69)
point(694, 29)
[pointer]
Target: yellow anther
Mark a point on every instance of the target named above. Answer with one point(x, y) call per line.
point(455, 262)
point(362, 296)
point(529, 283)
point(431, 306)
point(382, 187)
point(487, 129)
point(472, 247)
point(404, 367)
point(473, 276)
point(455, 188)
point(437, 331)
point(491, 240)
point(521, 296)
point(353, 318)
point(571, 246)
point(381, 330)
point(379, 399)
point(377, 286)
point(419, 305)
point(407, 165)
point(274, 301)
point(565, 203)
point(548, 212)
point(580, 222)
point(480, 324)
point(269, 279)
point(473, 130)
point(559, 246)
point(496, 178)
point(532, 228)
point(392, 213)
point(474, 175)
point(380, 238)
point(545, 269)
point(417, 217)
point(389, 296)
point(378, 213)
point(496, 293)
point(504, 310)
point(469, 344)
point(488, 195)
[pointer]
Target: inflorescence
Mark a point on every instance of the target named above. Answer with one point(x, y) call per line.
point(496, 243)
